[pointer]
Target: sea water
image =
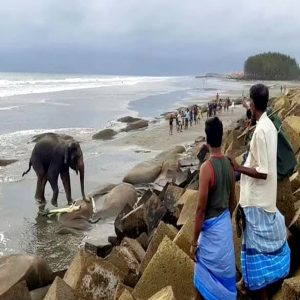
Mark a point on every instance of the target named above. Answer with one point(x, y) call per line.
point(78, 105)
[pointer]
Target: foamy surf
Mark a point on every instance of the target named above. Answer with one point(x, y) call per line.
point(23, 84)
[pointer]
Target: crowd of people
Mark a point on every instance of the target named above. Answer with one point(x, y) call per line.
point(185, 118)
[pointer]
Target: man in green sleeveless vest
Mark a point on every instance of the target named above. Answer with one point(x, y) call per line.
point(212, 249)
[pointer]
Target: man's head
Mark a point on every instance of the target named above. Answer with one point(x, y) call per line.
point(259, 95)
point(214, 132)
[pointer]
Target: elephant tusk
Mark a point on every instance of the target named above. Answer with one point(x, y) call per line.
point(93, 205)
point(68, 209)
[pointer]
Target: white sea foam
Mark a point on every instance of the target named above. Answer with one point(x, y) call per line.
point(22, 84)
point(9, 107)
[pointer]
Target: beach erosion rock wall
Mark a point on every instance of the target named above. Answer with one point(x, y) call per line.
point(148, 257)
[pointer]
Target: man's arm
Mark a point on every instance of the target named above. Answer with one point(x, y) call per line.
point(204, 182)
point(251, 172)
point(232, 199)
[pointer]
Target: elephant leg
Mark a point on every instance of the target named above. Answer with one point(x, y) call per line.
point(40, 173)
point(54, 186)
point(44, 181)
point(65, 177)
point(38, 194)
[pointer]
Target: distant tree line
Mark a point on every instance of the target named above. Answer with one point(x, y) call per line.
point(271, 66)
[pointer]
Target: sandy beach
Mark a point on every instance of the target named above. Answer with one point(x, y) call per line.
point(157, 137)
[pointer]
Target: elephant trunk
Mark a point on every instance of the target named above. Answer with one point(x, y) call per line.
point(81, 173)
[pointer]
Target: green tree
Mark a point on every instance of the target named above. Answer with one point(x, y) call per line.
point(271, 66)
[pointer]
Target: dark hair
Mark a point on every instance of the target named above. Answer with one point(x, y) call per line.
point(214, 132)
point(249, 114)
point(259, 93)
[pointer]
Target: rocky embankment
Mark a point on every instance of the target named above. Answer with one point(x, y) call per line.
point(148, 257)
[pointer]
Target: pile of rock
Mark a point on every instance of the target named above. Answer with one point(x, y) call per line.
point(131, 124)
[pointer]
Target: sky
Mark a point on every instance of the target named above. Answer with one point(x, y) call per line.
point(143, 37)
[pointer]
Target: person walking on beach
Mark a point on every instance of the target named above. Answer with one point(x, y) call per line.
point(265, 254)
point(195, 114)
point(212, 247)
point(171, 119)
point(186, 119)
point(179, 122)
point(191, 112)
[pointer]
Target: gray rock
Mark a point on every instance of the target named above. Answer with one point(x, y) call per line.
point(105, 134)
point(97, 247)
point(39, 294)
point(136, 125)
point(142, 219)
point(34, 270)
point(145, 172)
point(183, 178)
point(128, 119)
point(114, 202)
point(17, 292)
point(118, 223)
point(92, 277)
point(59, 290)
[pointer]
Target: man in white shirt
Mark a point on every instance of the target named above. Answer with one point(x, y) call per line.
point(265, 255)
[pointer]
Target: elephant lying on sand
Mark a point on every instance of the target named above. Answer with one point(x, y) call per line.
point(52, 156)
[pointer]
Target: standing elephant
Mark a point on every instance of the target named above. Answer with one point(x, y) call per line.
point(52, 156)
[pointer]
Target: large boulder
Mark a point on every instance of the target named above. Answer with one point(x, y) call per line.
point(18, 267)
point(105, 134)
point(39, 294)
point(291, 125)
point(114, 202)
point(59, 290)
point(128, 119)
point(92, 277)
point(135, 247)
point(17, 292)
point(189, 208)
point(161, 231)
point(145, 172)
point(185, 236)
point(170, 266)
point(285, 200)
point(125, 260)
point(237, 146)
point(142, 219)
point(136, 125)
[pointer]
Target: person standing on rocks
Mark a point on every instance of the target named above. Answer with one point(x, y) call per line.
point(212, 248)
point(265, 254)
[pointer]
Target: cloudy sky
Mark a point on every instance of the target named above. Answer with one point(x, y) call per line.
point(143, 37)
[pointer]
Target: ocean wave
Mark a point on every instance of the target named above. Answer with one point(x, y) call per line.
point(10, 107)
point(21, 85)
